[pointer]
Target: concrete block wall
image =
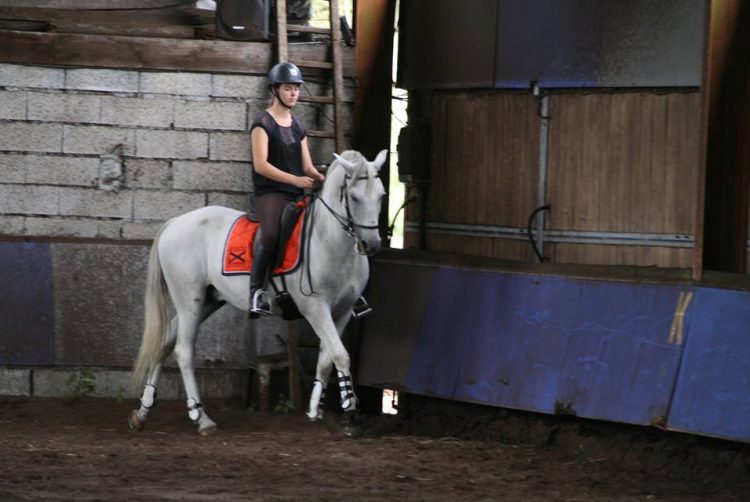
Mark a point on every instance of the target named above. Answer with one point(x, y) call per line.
point(185, 144)
point(184, 136)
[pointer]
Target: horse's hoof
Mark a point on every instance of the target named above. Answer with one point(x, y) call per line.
point(314, 418)
point(351, 424)
point(135, 423)
point(208, 430)
point(352, 431)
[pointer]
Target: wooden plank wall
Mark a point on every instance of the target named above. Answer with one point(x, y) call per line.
point(618, 162)
point(624, 162)
point(483, 168)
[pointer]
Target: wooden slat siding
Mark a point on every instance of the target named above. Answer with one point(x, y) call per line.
point(484, 168)
point(78, 50)
point(624, 162)
point(620, 162)
point(129, 30)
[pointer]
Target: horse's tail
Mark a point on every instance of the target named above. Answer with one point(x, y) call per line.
point(156, 323)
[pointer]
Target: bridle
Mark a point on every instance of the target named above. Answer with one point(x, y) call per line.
point(347, 222)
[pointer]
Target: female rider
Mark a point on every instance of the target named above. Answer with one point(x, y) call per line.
point(282, 169)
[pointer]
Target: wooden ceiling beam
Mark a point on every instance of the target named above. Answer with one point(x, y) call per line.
point(147, 53)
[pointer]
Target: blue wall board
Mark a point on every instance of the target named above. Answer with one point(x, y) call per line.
point(26, 316)
point(548, 344)
point(519, 344)
point(619, 364)
point(712, 395)
point(449, 323)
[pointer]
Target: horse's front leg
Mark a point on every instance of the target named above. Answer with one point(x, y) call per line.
point(333, 353)
point(315, 410)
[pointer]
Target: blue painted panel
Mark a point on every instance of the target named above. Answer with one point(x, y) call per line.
point(26, 314)
point(516, 357)
point(620, 365)
point(548, 344)
point(712, 395)
point(449, 320)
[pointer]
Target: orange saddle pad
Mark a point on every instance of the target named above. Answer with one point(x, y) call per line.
point(238, 250)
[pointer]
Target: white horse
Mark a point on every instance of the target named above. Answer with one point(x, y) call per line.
point(185, 265)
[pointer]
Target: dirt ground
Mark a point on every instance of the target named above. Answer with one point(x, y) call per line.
point(57, 450)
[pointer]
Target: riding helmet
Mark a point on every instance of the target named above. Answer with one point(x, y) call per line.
point(285, 73)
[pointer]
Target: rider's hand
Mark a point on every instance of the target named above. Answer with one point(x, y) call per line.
point(303, 182)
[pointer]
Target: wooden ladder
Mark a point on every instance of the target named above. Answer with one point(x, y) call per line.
point(335, 66)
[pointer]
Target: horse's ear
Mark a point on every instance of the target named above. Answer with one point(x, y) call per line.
point(380, 160)
point(350, 167)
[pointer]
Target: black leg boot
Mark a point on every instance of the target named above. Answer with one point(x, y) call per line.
point(258, 302)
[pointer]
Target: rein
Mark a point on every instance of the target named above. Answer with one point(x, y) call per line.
point(347, 224)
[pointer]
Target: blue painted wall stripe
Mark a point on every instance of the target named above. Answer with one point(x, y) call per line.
point(26, 313)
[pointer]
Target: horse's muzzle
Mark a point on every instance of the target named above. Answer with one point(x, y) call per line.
point(370, 249)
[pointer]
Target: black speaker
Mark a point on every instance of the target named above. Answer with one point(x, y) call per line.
point(244, 20)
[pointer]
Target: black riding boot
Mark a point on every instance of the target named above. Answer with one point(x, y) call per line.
point(258, 303)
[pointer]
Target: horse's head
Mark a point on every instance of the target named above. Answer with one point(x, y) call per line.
point(362, 194)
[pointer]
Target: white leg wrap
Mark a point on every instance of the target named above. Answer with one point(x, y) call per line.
point(148, 398)
point(194, 409)
point(316, 401)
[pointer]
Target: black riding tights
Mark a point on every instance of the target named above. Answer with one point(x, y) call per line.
point(268, 208)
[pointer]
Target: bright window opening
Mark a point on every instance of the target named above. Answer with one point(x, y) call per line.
point(390, 402)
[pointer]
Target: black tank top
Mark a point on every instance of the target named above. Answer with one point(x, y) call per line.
point(284, 152)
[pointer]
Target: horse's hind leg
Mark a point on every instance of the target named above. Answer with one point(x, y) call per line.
point(185, 353)
point(148, 398)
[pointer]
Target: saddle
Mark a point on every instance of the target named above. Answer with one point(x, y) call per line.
point(240, 248)
point(243, 237)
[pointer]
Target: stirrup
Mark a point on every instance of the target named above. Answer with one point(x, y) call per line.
point(361, 308)
point(259, 306)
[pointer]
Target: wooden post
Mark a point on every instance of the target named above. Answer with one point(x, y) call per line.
point(724, 183)
point(295, 393)
point(281, 38)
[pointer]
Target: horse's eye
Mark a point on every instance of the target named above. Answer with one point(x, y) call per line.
point(355, 198)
